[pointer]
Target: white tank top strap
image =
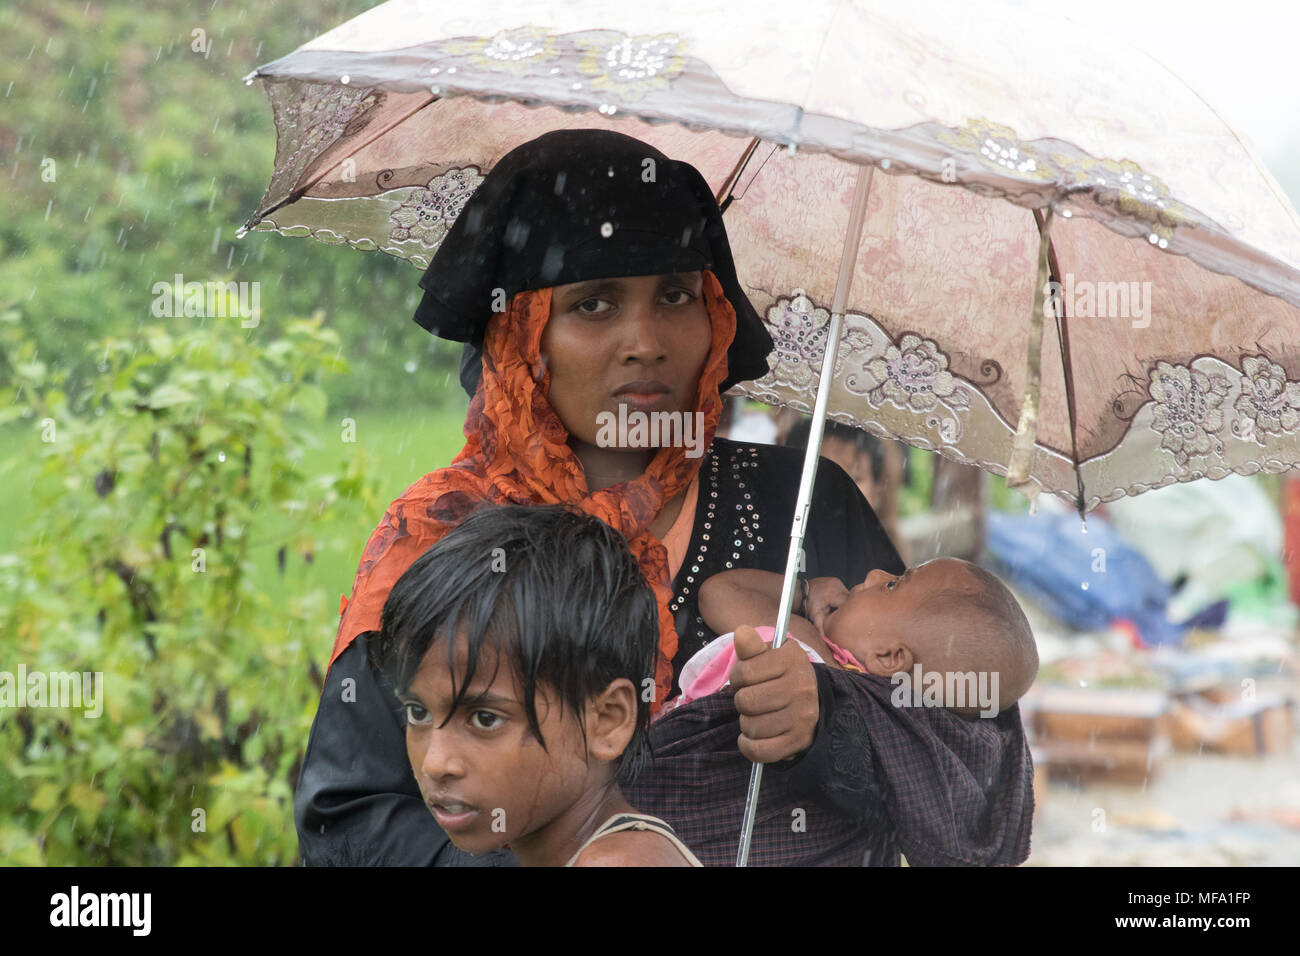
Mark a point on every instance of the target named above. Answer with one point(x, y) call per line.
point(637, 821)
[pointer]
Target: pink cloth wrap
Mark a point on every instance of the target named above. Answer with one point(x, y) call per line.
point(708, 669)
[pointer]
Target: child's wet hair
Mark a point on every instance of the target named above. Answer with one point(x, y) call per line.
point(556, 592)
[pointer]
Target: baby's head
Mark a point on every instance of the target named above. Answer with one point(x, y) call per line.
point(519, 645)
point(950, 617)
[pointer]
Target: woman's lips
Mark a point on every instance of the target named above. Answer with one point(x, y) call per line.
point(643, 394)
point(642, 400)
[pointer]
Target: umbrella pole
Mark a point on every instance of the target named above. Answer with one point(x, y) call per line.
point(794, 560)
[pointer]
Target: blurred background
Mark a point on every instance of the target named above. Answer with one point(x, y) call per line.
point(197, 562)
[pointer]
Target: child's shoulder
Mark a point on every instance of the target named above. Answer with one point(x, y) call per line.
point(632, 848)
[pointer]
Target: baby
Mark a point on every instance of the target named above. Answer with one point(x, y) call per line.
point(947, 633)
point(522, 687)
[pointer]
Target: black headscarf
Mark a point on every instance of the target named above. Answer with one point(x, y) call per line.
point(575, 205)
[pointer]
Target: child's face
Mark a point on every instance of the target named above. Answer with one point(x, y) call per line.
point(484, 775)
point(879, 611)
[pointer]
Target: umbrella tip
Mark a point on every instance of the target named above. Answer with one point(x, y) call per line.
point(241, 232)
point(248, 79)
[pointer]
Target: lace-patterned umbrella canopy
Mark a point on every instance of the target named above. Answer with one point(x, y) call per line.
point(1178, 258)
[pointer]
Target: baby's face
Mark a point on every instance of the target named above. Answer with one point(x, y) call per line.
point(880, 610)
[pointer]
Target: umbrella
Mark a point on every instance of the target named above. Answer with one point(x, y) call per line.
point(1064, 269)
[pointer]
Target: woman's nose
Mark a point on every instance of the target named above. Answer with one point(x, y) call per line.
point(644, 341)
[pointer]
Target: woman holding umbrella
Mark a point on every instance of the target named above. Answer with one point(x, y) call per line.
point(590, 271)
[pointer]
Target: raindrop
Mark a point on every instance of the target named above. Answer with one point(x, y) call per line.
point(606, 229)
point(221, 456)
point(1084, 585)
point(410, 366)
point(345, 79)
point(435, 89)
point(885, 164)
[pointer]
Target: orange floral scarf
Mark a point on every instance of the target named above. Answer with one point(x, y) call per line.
point(516, 452)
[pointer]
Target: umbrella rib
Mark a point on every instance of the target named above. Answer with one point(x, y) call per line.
point(1063, 340)
point(1245, 147)
point(734, 176)
point(300, 190)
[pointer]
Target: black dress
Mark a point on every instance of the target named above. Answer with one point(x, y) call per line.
point(357, 802)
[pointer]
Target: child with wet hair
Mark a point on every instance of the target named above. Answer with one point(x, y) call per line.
point(951, 629)
point(519, 645)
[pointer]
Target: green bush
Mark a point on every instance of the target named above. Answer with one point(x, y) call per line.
point(154, 483)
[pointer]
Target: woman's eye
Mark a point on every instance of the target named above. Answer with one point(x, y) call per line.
point(484, 720)
point(689, 296)
point(416, 715)
point(891, 584)
point(581, 311)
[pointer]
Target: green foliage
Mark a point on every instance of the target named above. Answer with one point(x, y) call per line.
point(151, 485)
point(157, 152)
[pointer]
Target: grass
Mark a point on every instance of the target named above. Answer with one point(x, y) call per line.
point(401, 447)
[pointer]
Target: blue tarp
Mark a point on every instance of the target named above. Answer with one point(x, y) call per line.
point(1086, 580)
